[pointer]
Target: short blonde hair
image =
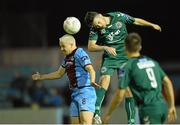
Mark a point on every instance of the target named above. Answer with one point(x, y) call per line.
point(67, 38)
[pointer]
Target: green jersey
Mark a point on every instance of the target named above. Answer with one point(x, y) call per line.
point(144, 77)
point(114, 34)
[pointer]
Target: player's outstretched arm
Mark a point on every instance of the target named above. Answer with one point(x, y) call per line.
point(172, 116)
point(142, 22)
point(54, 75)
point(117, 99)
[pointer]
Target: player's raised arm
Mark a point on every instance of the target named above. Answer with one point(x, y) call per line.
point(54, 75)
point(142, 22)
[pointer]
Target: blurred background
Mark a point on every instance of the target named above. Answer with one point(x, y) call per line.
point(29, 33)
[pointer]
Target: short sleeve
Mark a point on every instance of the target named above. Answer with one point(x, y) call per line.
point(83, 57)
point(93, 35)
point(127, 18)
point(161, 72)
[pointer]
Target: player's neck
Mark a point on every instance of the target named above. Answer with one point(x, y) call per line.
point(108, 20)
point(134, 54)
point(73, 49)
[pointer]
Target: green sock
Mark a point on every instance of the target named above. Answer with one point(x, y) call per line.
point(100, 93)
point(130, 109)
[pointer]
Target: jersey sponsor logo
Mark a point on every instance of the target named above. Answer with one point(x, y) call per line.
point(118, 25)
point(103, 69)
point(145, 64)
point(112, 34)
point(84, 58)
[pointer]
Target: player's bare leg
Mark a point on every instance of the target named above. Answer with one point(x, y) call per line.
point(128, 93)
point(104, 81)
point(86, 117)
point(74, 120)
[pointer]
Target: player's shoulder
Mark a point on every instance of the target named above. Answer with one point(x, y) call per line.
point(80, 51)
point(129, 62)
point(151, 59)
point(115, 13)
point(133, 59)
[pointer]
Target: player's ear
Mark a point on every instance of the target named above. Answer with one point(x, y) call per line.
point(140, 48)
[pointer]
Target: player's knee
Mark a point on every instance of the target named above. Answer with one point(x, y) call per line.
point(104, 81)
point(105, 78)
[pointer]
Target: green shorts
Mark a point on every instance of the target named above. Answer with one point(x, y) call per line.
point(153, 114)
point(109, 66)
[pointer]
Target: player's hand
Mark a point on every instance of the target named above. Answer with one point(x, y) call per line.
point(36, 76)
point(156, 27)
point(95, 85)
point(172, 116)
point(105, 119)
point(110, 50)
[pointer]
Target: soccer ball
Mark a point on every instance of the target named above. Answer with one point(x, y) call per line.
point(71, 25)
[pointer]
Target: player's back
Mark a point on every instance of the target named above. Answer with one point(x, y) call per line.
point(146, 80)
